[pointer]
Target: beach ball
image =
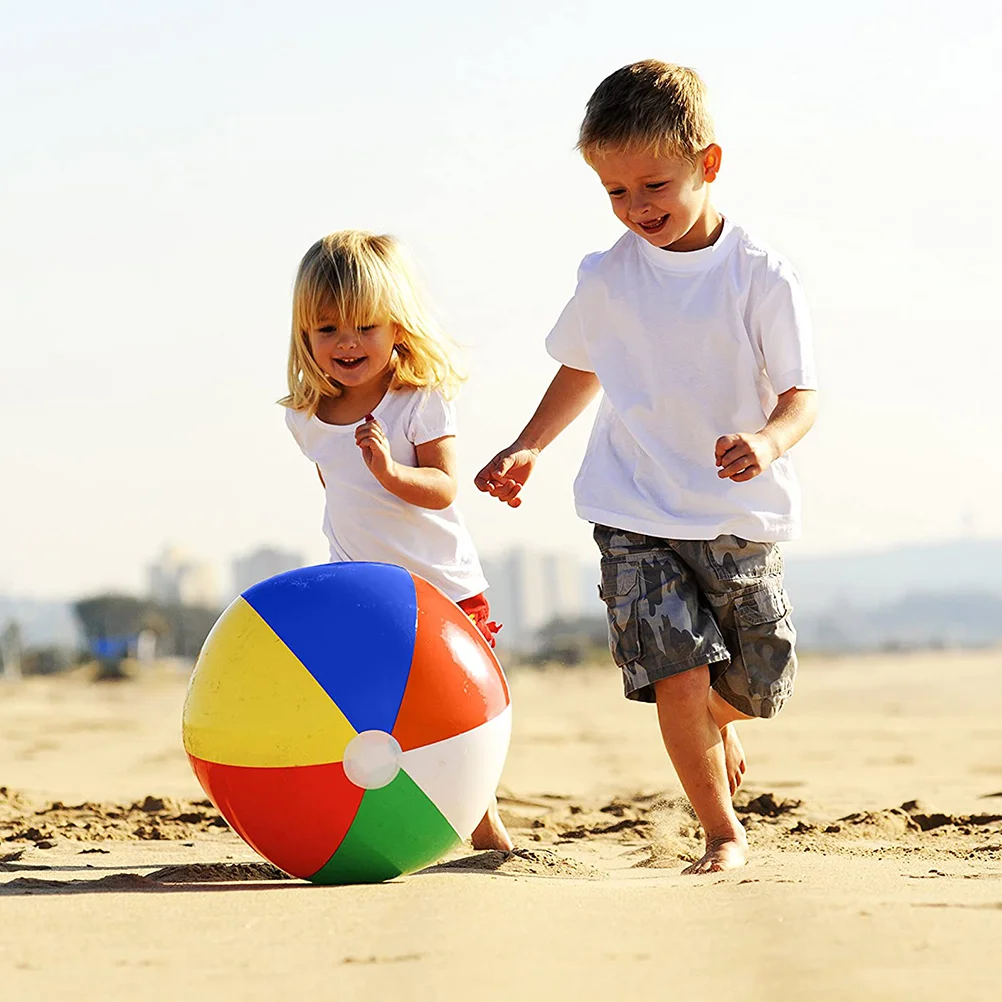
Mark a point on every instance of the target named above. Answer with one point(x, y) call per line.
point(348, 720)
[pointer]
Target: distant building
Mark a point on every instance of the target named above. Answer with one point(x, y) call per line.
point(174, 578)
point(264, 562)
point(529, 589)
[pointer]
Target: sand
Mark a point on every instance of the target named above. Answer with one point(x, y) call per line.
point(873, 806)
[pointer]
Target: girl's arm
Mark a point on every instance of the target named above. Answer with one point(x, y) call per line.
point(431, 484)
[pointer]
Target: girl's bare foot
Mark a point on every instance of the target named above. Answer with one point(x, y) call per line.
point(491, 832)
point(725, 853)
point(734, 757)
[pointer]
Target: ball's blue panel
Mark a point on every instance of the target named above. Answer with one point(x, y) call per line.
point(353, 626)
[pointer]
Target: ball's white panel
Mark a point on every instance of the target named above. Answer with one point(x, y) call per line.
point(460, 774)
point(372, 759)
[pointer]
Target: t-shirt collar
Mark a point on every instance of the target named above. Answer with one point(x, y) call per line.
point(698, 260)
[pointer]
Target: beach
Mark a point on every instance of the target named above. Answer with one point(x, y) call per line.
point(873, 805)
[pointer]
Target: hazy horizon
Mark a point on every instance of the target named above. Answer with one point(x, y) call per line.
point(169, 168)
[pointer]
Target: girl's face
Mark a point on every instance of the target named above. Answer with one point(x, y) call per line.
point(354, 356)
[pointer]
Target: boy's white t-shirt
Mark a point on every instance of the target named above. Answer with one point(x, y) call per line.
point(364, 521)
point(688, 347)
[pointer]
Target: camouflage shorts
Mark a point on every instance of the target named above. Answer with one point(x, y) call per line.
point(676, 604)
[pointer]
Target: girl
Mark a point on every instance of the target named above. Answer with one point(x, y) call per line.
point(370, 382)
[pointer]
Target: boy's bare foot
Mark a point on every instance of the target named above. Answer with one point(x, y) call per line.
point(491, 832)
point(726, 853)
point(734, 757)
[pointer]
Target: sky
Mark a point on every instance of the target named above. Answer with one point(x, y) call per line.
point(166, 166)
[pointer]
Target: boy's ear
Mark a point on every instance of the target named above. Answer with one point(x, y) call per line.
point(711, 162)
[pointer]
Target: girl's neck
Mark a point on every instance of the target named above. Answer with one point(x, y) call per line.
point(355, 401)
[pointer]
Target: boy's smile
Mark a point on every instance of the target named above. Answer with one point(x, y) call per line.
point(666, 200)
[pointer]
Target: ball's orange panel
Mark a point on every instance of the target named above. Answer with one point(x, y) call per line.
point(447, 696)
point(295, 816)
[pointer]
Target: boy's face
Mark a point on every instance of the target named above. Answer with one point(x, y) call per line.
point(665, 200)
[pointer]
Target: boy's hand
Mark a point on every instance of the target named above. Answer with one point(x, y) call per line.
point(372, 440)
point(742, 457)
point(504, 476)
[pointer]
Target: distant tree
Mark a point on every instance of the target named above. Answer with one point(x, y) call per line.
point(112, 624)
point(187, 627)
point(46, 660)
point(571, 642)
point(110, 615)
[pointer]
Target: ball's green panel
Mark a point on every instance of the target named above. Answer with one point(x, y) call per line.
point(397, 830)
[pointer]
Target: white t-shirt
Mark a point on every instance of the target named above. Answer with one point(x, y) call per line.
point(364, 521)
point(687, 347)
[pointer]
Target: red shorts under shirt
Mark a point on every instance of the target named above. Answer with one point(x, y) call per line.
point(478, 609)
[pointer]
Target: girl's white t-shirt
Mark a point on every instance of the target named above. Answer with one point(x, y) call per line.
point(687, 347)
point(364, 521)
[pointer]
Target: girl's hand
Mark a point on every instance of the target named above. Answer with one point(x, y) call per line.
point(372, 440)
point(505, 475)
point(743, 457)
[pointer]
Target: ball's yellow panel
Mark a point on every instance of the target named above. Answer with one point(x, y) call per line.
point(251, 702)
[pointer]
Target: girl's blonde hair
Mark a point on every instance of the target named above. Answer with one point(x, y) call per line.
point(358, 278)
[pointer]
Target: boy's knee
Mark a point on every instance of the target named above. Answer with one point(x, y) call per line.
point(724, 712)
point(690, 686)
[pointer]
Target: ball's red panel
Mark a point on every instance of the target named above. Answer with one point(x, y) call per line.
point(447, 695)
point(295, 816)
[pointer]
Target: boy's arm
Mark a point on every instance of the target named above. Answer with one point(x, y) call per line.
point(567, 396)
point(744, 456)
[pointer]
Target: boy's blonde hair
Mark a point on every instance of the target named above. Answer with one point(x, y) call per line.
point(358, 278)
point(652, 106)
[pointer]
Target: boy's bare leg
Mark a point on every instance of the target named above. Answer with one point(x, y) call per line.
point(491, 832)
point(735, 762)
point(695, 745)
point(724, 715)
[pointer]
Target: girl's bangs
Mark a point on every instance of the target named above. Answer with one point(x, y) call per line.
point(353, 297)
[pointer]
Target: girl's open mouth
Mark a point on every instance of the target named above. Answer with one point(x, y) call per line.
point(349, 363)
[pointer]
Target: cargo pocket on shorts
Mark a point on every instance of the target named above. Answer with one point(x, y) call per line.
point(620, 590)
point(766, 637)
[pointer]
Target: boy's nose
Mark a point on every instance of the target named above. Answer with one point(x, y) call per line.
point(639, 207)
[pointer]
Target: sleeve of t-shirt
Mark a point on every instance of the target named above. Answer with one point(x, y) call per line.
point(781, 327)
point(566, 342)
point(293, 421)
point(433, 417)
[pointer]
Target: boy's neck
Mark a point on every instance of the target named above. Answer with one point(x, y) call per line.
point(705, 232)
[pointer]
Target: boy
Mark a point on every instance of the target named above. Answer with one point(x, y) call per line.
point(700, 340)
